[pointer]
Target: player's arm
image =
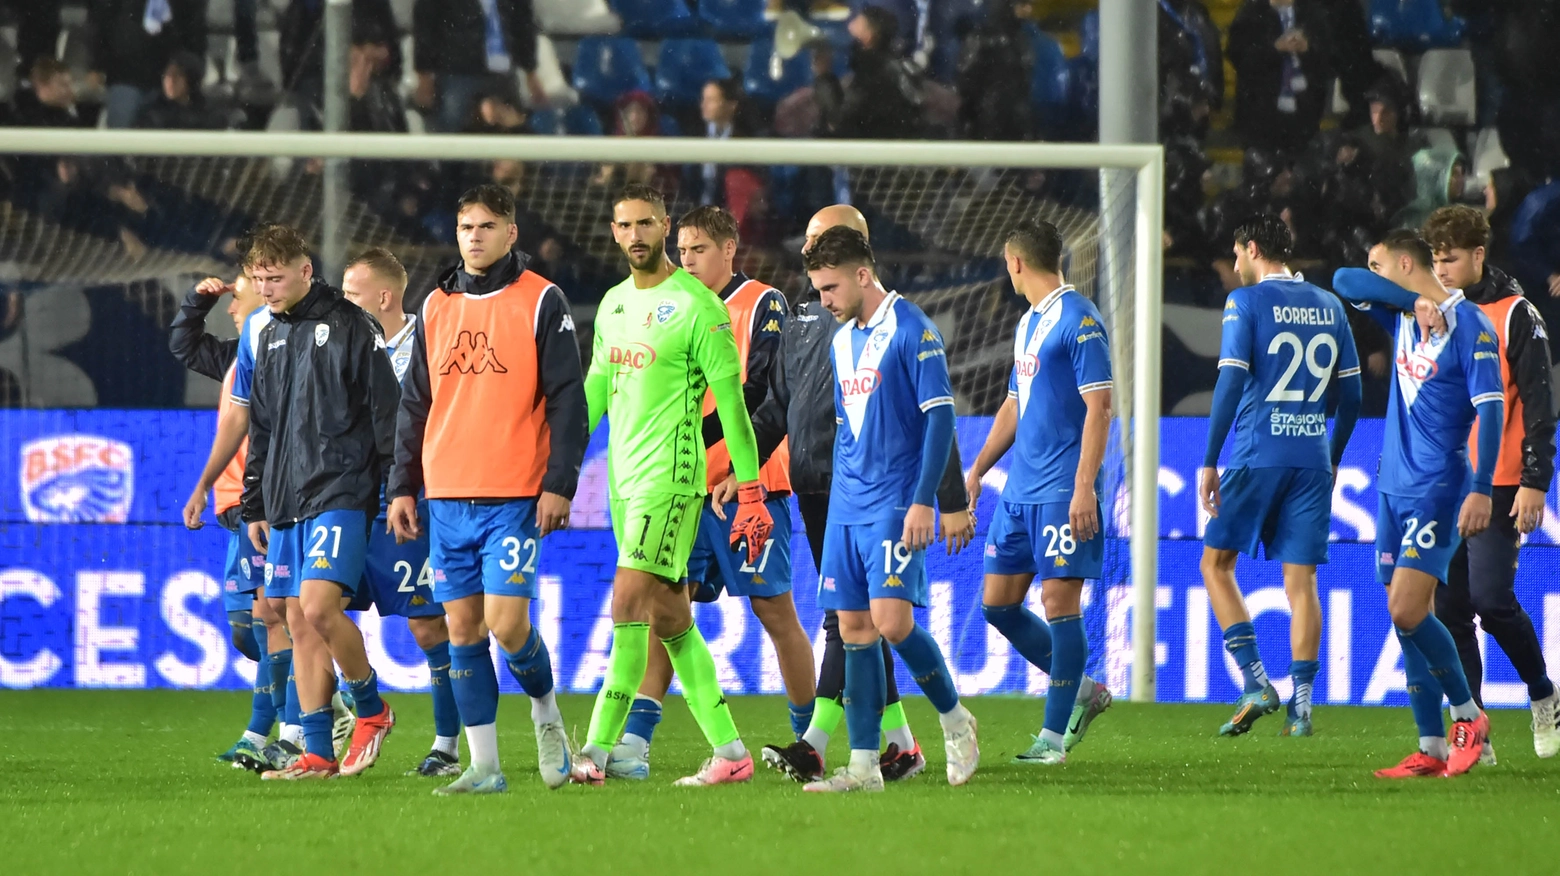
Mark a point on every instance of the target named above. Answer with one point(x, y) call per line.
point(714, 350)
point(597, 382)
point(1351, 391)
point(763, 358)
point(1236, 343)
point(232, 426)
point(1481, 363)
point(260, 406)
point(411, 425)
point(1527, 355)
point(1090, 354)
point(1365, 289)
point(188, 340)
point(563, 386)
point(1004, 429)
point(927, 362)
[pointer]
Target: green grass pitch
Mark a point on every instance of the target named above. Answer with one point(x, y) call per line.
point(124, 782)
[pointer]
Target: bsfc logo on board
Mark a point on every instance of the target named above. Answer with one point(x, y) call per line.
point(77, 479)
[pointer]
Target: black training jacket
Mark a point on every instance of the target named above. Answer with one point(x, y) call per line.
point(189, 342)
point(321, 412)
point(1527, 355)
point(801, 406)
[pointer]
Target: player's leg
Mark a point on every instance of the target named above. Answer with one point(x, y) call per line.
point(671, 620)
point(1302, 521)
point(767, 585)
point(1454, 606)
point(432, 634)
point(314, 680)
point(1250, 498)
point(845, 591)
point(631, 595)
point(1305, 642)
point(1492, 572)
point(1064, 563)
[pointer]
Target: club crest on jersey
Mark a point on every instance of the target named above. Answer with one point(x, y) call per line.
point(631, 356)
point(321, 334)
point(876, 343)
point(77, 479)
point(665, 310)
point(863, 383)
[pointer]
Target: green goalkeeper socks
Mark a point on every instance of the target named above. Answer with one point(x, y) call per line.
point(625, 672)
point(693, 663)
point(894, 717)
point(827, 715)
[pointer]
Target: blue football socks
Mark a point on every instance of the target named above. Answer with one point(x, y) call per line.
point(365, 692)
point(1434, 641)
point(1424, 692)
point(1241, 641)
point(290, 711)
point(1072, 652)
point(1303, 673)
point(801, 716)
point(1029, 634)
point(316, 733)
point(475, 684)
point(280, 667)
point(925, 661)
point(643, 717)
point(531, 666)
point(262, 708)
point(446, 717)
point(866, 686)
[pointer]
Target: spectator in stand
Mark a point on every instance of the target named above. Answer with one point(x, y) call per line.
point(721, 107)
point(1283, 71)
point(635, 115)
point(499, 111)
point(1357, 69)
point(1525, 45)
point(993, 78)
point(51, 101)
point(1387, 143)
point(1535, 251)
point(1440, 176)
point(301, 31)
point(181, 104)
point(134, 41)
point(1191, 65)
point(37, 31)
point(882, 100)
point(462, 45)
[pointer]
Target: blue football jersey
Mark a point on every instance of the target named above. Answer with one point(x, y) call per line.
point(244, 365)
point(887, 376)
point(1436, 386)
point(400, 349)
point(1060, 353)
point(1295, 340)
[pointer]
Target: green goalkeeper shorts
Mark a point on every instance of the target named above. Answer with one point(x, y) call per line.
point(655, 532)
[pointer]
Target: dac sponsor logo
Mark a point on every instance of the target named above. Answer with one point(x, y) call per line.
point(1416, 366)
point(862, 383)
point(632, 356)
point(1027, 366)
point(77, 479)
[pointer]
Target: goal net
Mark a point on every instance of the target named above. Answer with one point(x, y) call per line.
point(119, 226)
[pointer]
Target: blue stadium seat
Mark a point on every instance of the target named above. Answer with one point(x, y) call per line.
point(683, 68)
point(654, 19)
point(1414, 24)
point(605, 68)
point(1049, 84)
point(734, 19)
point(838, 35)
point(582, 121)
point(545, 121)
point(1089, 35)
point(759, 85)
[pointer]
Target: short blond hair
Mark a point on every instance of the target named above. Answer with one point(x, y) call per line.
point(273, 244)
point(384, 265)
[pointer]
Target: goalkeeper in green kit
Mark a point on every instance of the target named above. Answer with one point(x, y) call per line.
point(662, 340)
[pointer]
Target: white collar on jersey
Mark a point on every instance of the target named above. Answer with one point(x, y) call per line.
point(882, 312)
point(1050, 297)
point(1288, 276)
point(1452, 301)
point(405, 332)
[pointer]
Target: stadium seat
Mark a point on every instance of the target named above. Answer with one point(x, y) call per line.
point(1392, 61)
point(555, 87)
point(546, 121)
point(582, 121)
point(757, 80)
point(1447, 95)
point(1089, 35)
point(684, 66)
point(605, 68)
point(402, 10)
point(655, 19)
point(576, 17)
point(1488, 157)
point(1049, 84)
point(734, 19)
point(1414, 24)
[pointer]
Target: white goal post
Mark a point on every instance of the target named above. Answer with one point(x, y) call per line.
point(1145, 162)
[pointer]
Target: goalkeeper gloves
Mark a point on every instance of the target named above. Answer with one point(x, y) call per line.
point(752, 522)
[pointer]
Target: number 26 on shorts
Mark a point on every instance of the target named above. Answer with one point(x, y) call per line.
point(1413, 534)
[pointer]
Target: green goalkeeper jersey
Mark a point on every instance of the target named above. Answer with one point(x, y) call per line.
point(658, 350)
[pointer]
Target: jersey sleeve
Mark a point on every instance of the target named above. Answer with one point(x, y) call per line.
point(713, 347)
point(1348, 353)
point(1482, 362)
point(1239, 327)
point(1090, 353)
point(244, 366)
point(928, 365)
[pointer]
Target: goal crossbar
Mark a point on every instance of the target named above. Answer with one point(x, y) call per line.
point(1146, 162)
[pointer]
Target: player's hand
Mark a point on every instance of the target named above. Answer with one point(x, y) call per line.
point(972, 488)
point(402, 519)
point(196, 506)
point(1528, 509)
point(958, 529)
point(1554, 285)
point(724, 492)
point(260, 534)
point(1083, 513)
point(213, 286)
point(1432, 322)
point(1207, 491)
point(552, 513)
point(919, 528)
point(1475, 515)
point(752, 525)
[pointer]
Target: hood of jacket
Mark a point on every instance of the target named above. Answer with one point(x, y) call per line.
point(456, 278)
point(1495, 285)
point(319, 300)
point(1433, 176)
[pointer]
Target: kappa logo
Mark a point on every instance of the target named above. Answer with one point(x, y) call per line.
point(320, 563)
point(1087, 321)
point(322, 334)
point(638, 555)
point(419, 601)
point(471, 355)
point(863, 383)
point(516, 578)
point(893, 581)
point(771, 326)
point(774, 305)
point(759, 579)
point(1061, 561)
point(77, 479)
point(632, 356)
point(617, 310)
point(1411, 554)
point(665, 309)
point(566, 324)
point(928, 336)
point(1484, 338)
point(1230, 304)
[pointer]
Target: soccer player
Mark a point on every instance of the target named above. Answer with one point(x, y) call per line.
point(663, 339)
point(1057, 415)
point(321, 424)
point(894, 404)
point(707, 246)
point(1286, 356)
point(492, 427)
point(1482, 577)
point(1447, 373)
point(243, 594)
point(397, 576)
point(801, 407)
